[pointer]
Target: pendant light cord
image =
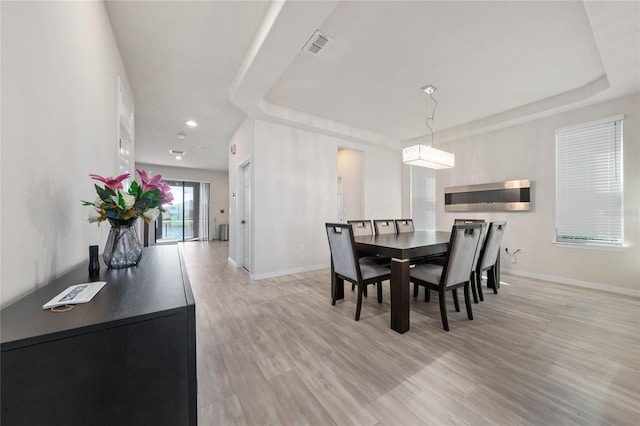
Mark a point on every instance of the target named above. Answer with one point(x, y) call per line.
point(433, 113)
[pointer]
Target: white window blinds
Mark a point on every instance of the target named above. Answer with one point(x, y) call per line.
point(423, 198)
point(589, 183)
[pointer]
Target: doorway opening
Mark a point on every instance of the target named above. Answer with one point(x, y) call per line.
point(187, 217)
point(350, 184)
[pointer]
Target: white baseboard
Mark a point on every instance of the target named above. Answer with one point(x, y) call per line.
point(232, 262)
point(289, 271)
point(575, 283)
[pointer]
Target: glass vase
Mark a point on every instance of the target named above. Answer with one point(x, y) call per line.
point(123, 248)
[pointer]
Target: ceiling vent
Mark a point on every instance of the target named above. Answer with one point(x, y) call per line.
point(316, 43)
point(176, 152)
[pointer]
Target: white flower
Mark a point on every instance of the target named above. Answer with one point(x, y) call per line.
point(129, 200)
point(152, 214)
point(94, 215)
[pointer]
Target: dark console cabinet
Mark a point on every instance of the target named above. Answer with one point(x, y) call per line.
point(128, 357)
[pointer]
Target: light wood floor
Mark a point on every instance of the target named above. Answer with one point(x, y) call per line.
point(275, 352)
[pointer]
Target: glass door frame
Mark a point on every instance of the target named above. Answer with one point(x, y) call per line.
point(178, 188)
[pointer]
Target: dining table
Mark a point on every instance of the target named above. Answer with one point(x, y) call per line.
point(401, 248)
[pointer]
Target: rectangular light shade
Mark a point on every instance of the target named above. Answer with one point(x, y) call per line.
point(427, 156)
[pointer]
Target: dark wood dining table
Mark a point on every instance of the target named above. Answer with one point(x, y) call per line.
point(400, 248)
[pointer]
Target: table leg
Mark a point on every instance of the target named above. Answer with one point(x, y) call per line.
point(337, 285)
point(400, 295)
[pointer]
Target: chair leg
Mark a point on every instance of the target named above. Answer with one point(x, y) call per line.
point(353, 286)
point(416, 288)
point(479, 285)
point(359, 302)
point(454, 292)
point(333, 295)
point(472, 284)
point(443, 310)
point(467, 302)
point(364, 291)
point(379, 285)
point(494, 272)
point(427, 294)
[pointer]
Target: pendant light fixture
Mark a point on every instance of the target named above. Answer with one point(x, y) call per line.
point(425, 155)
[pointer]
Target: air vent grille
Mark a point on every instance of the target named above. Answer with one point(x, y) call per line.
point(316, 43)
point(176, 152)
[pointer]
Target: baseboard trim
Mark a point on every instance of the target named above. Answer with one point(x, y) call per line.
point(290, 271)
point(232, 262)
point(575, 283)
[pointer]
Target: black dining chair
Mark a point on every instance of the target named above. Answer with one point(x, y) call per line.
point(404, 225)
point(384, 226)
point(454, 273)
point(360, 228)
point(439, 259)
point(464, 221)
point(347, 266)
point(488, 256)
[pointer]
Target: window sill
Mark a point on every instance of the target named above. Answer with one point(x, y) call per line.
point(586, 246)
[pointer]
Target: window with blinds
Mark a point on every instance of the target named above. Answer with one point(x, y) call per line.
point(423, 198)
point(589, 183)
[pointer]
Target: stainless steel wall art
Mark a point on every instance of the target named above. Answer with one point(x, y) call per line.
point(512, 195)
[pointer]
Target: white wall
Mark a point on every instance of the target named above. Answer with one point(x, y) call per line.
point(295, 193)
point(219, 186)
point(60, 68)
point(527, 151)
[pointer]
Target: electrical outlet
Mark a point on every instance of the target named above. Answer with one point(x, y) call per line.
point(513, 254)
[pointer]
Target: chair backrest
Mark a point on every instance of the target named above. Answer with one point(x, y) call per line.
point(463, 221)
point(491, 247)
point(343, 253)
point(483, 234)
point(404, 225)
point(361, 227)
point(384, 226)
point(462, 248)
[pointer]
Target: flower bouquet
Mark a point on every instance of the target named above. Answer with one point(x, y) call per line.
point(122, 208)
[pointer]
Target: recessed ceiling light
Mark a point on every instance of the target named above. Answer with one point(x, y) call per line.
point(182, 136)
point(191, 123)
point(178, 157)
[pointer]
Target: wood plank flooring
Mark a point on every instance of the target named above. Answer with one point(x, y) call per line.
point(275, 352)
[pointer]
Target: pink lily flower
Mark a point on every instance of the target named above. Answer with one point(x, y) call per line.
point(149, 184)
point(165, 193)
point(113, 183)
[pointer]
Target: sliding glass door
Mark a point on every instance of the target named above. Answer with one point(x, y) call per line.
point(187, 218)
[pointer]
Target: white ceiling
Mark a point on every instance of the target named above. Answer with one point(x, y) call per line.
point(493, 63)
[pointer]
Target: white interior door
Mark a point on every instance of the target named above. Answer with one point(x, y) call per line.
point(245, 222)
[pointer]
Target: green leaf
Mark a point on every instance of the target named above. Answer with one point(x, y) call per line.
point(134, 189)
point(113, 215)
point(105, 193)
point(142, 204)
point(121, 203)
